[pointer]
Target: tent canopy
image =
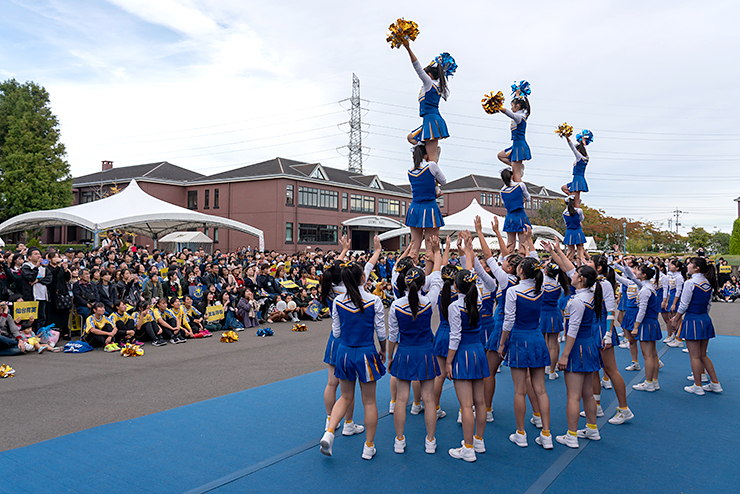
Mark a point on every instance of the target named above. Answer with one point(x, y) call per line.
point(187, 238)
point(131, 209)
point(464, 220)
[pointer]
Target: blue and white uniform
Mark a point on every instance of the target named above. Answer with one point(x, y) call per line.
point(504, 282)
point(573, 231)
point(514, 197)
point(696, 300)
point(442, 336)
point(487, 286)
point(551, 316)
point(526, 345)
point(414, 359)
point(433, 125)
point(579, 171)
point(678, 281)
point(585, 355)
point(647, 315)
point(470, 360)
point(424, 211)
point(630, 296)
point(667, 283)
point(602, 325)
point(519, 149)
point(357, 357)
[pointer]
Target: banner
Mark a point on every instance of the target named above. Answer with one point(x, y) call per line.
point(310, 283)
point(25, 310)
point(181, 262)
point(214, 313)
point(288, 284)
point(196, 292)
point(313, 309)
point(75, 322)
point(725, 269)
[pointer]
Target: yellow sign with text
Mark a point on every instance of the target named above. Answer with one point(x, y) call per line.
point(214, 313)
point(25, 310)
point(725, 269)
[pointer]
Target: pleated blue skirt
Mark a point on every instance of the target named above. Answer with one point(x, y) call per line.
point(551, 321)
point(585, 356)
point(424, 215)
point(470, 362)
point(630, 315)
point(414, 363)
point(361, 363)
point(578, 184)
point(486, 328)
point(494, 339)
point(696, 327)
point(518, 151)
point(649, 330)
point(527, 349)
point(330, 354)
point(600, 327)
point(515, 221)
point(671, 298)
point(574, 237)
point(441, 345)
point(432, 127)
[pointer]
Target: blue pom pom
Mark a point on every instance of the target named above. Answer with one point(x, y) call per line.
point(522, 87)
point(585, 136)
point(447, 63)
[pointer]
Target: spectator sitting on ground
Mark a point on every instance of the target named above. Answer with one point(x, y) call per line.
point(11, 342)
point(194, 315)
point(278, 314)
point(98, 330)
point(33, 342)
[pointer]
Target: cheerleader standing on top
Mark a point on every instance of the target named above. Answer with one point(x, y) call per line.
point(551, 316)
point(525, 349)
point(518, 152)
point(514, 194)
point(578, 184)
point(581, 357)
point(695, 324)
point(466, 360)
point(423, 215)
point(410, 348)
point(434, 86)
point(442, 335)
point(356, 318)
point(574, 236)
point(677, 272)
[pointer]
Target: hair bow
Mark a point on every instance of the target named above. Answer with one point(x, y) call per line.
point(471, 277)
point(585, 136)
point(448, 276)
point(412, 275)
point(348, 264)
point(445, 62)
point(328, 266)
point(504, 169)
point(522, 87)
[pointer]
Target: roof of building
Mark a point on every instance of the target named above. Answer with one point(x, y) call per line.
point(474, 181)
point(160, 171)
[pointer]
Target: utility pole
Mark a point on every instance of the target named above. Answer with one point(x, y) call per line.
point(677, 213)
point(355, 128)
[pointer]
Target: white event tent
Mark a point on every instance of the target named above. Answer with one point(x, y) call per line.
point(463, 220)
point(132, 210)
point(177, 241)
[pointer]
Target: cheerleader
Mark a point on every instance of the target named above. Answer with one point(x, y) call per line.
point(525, 349)
point(581, 357)
point(574, 236)
point(607, 339)
point(631, 308)
point(677, 272)
point(578, 184)
point(466, 359)
point(518, 152)
point(551, 317)
point(514, 194)
point(434, 86)
point(410, 349)
point(442, 335)
point(666, 287)
point(695, 324)
point(356, 317)
point(423, 213)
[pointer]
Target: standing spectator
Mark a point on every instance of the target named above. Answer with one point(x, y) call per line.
point(107, 293)
point(112, 241)
point(35, 278)
point(60, 295)
point(171, 286)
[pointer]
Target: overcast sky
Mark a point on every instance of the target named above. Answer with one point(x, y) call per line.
point(213, 85)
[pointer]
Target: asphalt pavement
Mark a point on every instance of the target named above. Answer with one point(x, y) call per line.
point(57, 394)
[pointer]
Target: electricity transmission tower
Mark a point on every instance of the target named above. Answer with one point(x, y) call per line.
point(355, 128)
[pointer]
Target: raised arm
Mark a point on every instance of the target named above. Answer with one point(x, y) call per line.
point(557, 255)
point(446, 255)
point(425, 79)
point(344, 243)
point(374, 259)
point(504, 250)
point(517, 117)
point(573, 148)
point(483, 244)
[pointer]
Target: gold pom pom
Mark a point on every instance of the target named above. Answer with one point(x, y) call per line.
point(6, 371)
point(300, 327)
point(400, 31)
point(229, 337)
point(493, 103)
point(131, 350)
point(564, 130)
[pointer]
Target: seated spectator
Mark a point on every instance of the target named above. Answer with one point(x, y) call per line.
point(302, 300)
point(85, 295)
point(33, 342)
point(145, 324)
point(291, 308)
point(171, 286)
point(167, 321)
point(278, 313)
point(177, 309)
point(247, 309)
point(231, 321)
point(11, 342)
point(125, 324)
point(99, 332)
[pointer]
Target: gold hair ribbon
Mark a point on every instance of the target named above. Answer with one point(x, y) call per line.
point(328, 266)
point(411, 276)
point(348, 264)
point(471, 277)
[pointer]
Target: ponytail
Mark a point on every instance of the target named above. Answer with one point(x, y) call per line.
point(351, 277)
point(414, 279)
point(707, 270)
point(571, 208)
point(327, 281)
point(589, 275)
point(465, 282)
point(448, 276)
point(531, 269)
point(506, 175)
point(554, 271)
point(681, 268)
point(598, 300)
point(419, 153)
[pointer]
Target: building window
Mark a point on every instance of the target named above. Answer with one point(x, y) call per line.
point(206, 198)
point(215, 198)
point(356, 203)
point(482, 199)
point(288, 195)
point(86, 235)
point(441, 201)
point(205, 231)
point(317, 198)
point(403, 208)
point(368, 204)
point(345, 203)
point(389, 207)
point(215, 235)
point(71, 234)
point(192, 199)
point(310, 233)
point(289, 233)
point(490, 199)
point(87, 196)
point(328, 199)
point(497, 199)
point(375, 184)
point(319, 173)
point(362, 204)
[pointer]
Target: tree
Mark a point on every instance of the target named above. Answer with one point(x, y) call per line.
point(735, 239)
point(720, 243)
point(33, 172)
point(551, 214)
point(699, 237)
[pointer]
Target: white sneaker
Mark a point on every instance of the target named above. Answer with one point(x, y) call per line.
point(660, 364)
point(544, 441)
point(669, 339)
point(392, 407)
point(467, 454)
point(675, 343)
point(547, 369)
point(430, 446)
point(498, 371)
point(634, 366)
point(367, 452)
point(624, 344)
point(417, 409)
point(459, 416)
point(697, 390)
point(327, 441)
point(479, 445)
point(489, 416)
point(656, 385)
point(568, 440)
point(352, 428)
point(399, 446)
point(536, 421)
point(561, 338)
point(589, 433)
point(644, 386)
point(704, 377)
point(441, 413)
point(519, 439)
point(599, 411)
point(553, 376)
point(606, 383)
point(713, 387)
point(622, 416)
point(685, 350)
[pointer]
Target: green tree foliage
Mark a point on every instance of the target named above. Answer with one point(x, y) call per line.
point(699, 237)
point(551, 214)
point(735, 239)
point(33, 172)
point(720, 243)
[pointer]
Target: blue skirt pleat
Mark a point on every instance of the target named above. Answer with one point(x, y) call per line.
point(330, 354)
point(433, 127)
point(578, 184)
point(649, 330)
point(585, 356)
point(414, 363)
point(361, 363)
point(696, 327)
point(441, 345)
point(470, 362)
point(518, 151)
point(424, 215)
point(574, 237)
point(527, 349)
point(551, 321)
point(516, 220)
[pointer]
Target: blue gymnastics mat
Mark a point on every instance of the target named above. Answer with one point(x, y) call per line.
point(265, 439)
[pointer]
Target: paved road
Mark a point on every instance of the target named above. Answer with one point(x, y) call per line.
point(64, 393)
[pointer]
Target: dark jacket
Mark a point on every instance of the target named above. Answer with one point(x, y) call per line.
point(84, 293)
point(29, 272)
point(110, 300)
